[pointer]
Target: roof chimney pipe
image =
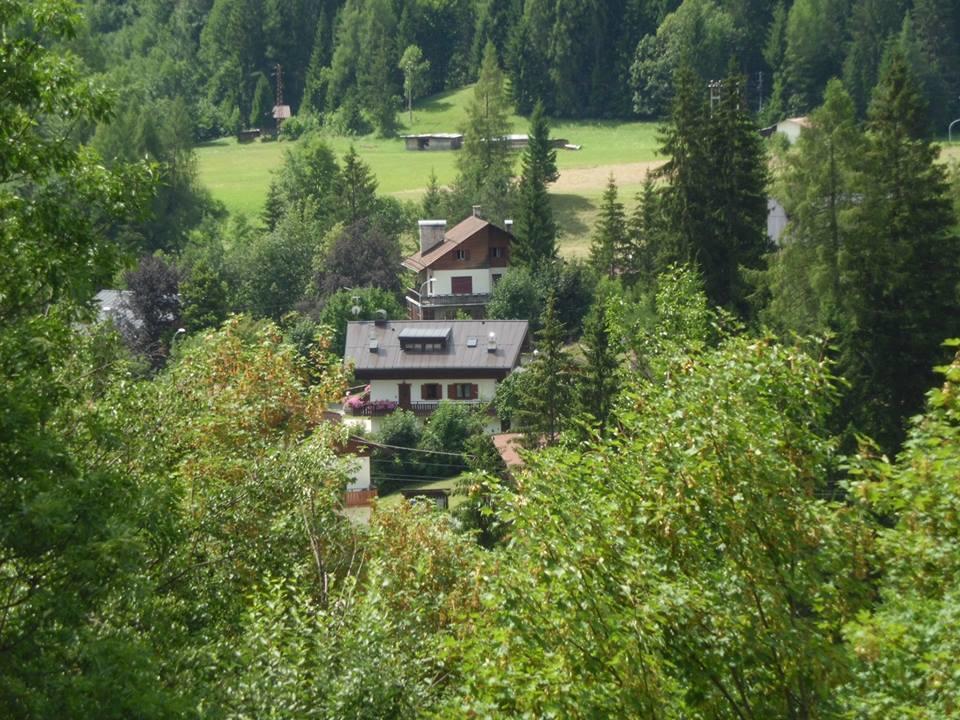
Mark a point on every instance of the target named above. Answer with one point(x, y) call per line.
point(508, 225)
point(476, 211)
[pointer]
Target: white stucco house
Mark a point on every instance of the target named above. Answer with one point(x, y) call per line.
point(416, 364)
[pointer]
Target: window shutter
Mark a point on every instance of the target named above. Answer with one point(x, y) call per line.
point(423, 392)
point(451, 392)
point(474, 392)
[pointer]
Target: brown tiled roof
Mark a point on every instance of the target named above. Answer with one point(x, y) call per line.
point(508, 445)
point(462, 355)
point(453, 237)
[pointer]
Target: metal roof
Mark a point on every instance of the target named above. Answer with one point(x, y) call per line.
point(391, 360)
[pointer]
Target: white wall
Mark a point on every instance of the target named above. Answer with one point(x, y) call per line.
point(360, 477)
point(791, 129)
point(390, 390)
point(441, 285)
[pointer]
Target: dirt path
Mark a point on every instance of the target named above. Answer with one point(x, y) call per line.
point(577, 180)
point(574, 180)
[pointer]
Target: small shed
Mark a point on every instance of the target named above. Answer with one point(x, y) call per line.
point(434, 141)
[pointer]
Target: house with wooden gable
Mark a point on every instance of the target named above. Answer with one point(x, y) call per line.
point(458, 268)
point(417, 364)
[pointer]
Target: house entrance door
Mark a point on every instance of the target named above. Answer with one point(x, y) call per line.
point(404, 396)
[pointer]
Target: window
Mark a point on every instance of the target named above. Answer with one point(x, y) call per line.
point(461, 285)
point(431, 391)
point(496, 252)
point(463, 254)
point(496, 278)
point(465, 391)
point(424, 347)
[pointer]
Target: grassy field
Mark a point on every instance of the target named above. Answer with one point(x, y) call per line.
point(239, 175)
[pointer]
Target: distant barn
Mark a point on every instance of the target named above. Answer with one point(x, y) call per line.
point(435, 141)
point(454, 141)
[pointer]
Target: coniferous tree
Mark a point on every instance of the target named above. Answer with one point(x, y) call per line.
point(484, 162)
point(685, 171)
point(536, 230)
point(804, 276)
point(715, 202)
point(899, 268)
point(262, 103)
point(644, 257)
point(356, 188)
point(609, 243)
point(432, 202)
point(599, 381)
point(738, 203)
point(547, 396)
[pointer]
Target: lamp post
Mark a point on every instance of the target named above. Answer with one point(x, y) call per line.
point(422, 286)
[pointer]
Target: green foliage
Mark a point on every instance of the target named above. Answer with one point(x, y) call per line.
point(71, 542)
point(448, 430)
point(392, 468)
point(906, 648)
point(414, 67)
point(684, 569)
point(310, 170)
point(272, 272)
point(515, 297)
point(701, 32)
point(356, 188)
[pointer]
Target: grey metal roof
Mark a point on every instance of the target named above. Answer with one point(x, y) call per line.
point(390, 359)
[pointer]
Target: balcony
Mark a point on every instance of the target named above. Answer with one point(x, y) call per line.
point(420, 408)
point(419, 300)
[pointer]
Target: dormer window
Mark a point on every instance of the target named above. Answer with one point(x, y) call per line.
point(424, 340)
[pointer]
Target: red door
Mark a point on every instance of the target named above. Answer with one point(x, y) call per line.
point(462, 285)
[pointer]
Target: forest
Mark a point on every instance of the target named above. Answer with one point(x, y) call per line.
point(740, 492)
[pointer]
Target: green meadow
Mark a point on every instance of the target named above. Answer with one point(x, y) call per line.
point(239, 175)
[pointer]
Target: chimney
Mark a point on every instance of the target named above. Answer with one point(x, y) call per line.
point(492, 342)
point(508, 226)
point(476, 211)
point(381, 318)
point(431, 234)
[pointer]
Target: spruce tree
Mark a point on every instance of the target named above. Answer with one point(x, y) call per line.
point(609, 244)
point(715, 201)
point(546, 403)
point(899, 265)
point(599, 381)
point(262, 102)
point(804, 276)
point(644, 258)
point(536, 230)
point(356, 188)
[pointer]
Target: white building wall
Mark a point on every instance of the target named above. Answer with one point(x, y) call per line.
point(390, 389)
point(482, 283)
point(360, 477)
